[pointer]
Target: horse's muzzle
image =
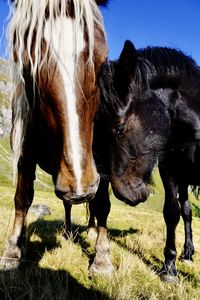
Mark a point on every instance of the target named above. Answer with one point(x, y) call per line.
point(132, 193)
point(77, 198)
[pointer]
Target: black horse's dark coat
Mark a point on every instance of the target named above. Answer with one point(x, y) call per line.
point(150, 111)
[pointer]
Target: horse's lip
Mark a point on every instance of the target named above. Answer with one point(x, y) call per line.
point(79, 201)
point(76, 200)
point(127, 201)
point(133, 203)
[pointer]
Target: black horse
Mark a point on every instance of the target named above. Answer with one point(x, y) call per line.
point(150, 112)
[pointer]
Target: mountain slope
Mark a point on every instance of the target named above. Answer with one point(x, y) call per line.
point(5, 91)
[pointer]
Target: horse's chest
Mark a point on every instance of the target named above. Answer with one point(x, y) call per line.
point(44, 144)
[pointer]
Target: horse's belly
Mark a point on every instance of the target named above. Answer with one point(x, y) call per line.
point(45, 157)
point(184, 164)
point(187, 173)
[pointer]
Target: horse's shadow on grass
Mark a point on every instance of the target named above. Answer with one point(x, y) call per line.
point(152, 263)
point(35, 282)
point(39, 283)
point(30, 281)
point(115, 234)
point(47, 231)
point(118, 236)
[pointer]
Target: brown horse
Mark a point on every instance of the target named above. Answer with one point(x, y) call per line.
point(57, 50)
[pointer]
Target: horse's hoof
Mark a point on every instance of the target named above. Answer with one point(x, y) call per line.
point(92, 233)
point(186, 261)
point(10, 263)
point(168, 278)
point(98, 269)
point(12, 256)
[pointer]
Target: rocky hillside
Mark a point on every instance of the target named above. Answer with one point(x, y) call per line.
point(5, 90)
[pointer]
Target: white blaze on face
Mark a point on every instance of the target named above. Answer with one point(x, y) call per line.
point(64, 47)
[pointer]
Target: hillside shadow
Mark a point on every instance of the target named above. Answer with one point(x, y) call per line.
point(40, 283)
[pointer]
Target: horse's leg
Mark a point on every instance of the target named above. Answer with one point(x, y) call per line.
point(67, 230)
point(23, 199)
point(172, 216)
point(102, 263)
point(92, 230)
point(186, 214)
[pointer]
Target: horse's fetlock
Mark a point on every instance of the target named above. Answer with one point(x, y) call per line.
point(103, 249)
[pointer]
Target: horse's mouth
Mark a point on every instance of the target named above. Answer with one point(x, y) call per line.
point(81, 200)
point(75, 199)
point(134, 202)
point(130, 199)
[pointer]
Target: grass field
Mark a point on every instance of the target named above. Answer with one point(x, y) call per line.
point(58, 269)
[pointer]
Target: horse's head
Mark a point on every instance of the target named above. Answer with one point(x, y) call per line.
point(139, 135)
point(64, 48)
point(139, 132)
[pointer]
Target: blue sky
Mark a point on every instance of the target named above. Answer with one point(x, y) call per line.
point(173, 23)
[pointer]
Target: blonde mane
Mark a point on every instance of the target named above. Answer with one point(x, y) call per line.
point(26, 36)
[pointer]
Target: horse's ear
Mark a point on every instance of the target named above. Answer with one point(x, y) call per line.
point(102, 2)
point(128, 58)
point(126, 67)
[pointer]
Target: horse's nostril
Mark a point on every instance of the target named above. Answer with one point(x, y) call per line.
point(60, 193)
point(96, 183)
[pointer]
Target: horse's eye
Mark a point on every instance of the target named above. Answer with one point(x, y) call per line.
point(118, 130)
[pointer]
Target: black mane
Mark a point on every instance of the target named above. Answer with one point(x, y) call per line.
point(110, 103)
point(155, 67)
point(166, 59)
